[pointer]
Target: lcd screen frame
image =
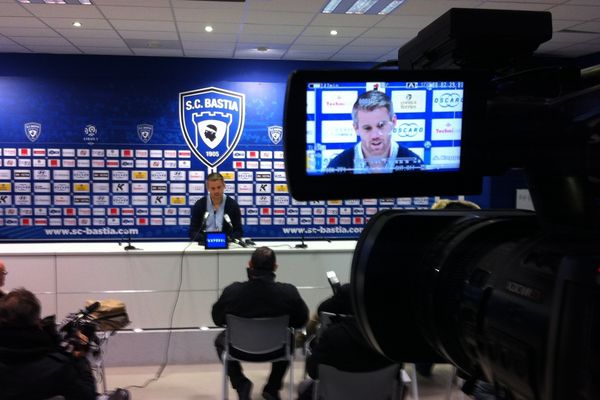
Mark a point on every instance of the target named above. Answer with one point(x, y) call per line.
point(318, 120)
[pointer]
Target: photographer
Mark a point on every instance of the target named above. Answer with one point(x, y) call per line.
point(32, 364)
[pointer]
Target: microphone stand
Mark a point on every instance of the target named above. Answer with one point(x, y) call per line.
point(129, 245)
point(301, 245)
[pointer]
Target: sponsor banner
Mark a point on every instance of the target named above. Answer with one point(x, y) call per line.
point(143, 170)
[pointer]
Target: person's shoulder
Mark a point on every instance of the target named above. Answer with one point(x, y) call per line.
point(345, 159)
point(406, 152)
point(201, 201)
point(230, 200)
point(287, 287)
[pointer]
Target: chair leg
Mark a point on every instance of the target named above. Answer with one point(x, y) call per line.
point(225, 391)
point(292, 378)
point(414, 386)
point(450, 383)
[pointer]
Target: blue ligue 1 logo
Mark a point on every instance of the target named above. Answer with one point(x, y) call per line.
point(212, 121)
point(33, 130)
point(145, 132)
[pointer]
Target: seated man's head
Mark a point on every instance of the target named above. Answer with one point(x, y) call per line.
point(20, 309)
point(2, 273)
point(215, 184)
point(373, 119)
point(262, 261)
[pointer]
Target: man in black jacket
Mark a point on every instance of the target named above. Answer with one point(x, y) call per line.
point(341, 344)
point(259, 297)
point(216, 212)
point(32, 365)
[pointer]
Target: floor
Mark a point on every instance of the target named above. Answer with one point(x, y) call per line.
point(203, 382)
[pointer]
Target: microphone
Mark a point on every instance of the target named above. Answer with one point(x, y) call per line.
point(202, 227)
point(204, 220)
point(234, 240)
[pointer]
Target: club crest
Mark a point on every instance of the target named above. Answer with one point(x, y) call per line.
point(212, 121)
point(145, 132)
point(275, 133)
point(33, 130)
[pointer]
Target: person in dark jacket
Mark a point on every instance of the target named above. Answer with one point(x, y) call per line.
point(216, 212)
point(341, 344)
point(32, 364)
point(259, 297)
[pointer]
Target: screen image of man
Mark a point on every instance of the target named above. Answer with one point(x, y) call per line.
point(216, 212)
point(373, 119)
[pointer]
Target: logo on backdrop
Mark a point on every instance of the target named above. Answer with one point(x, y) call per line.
point(212, 121)
point(33, 130)
point(90, 134)
point(275, 133)
point(145, 132)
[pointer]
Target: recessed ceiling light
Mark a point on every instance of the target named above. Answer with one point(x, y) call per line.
point(208, 28)
point(77, 24)
point(382, 7)
point(333, 32)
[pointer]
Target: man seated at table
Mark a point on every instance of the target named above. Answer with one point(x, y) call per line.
point(216, 212)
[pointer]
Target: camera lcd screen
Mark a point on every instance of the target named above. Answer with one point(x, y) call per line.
point(357, 134)
point(383, 127)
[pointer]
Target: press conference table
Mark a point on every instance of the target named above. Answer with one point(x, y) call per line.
point(159, 276)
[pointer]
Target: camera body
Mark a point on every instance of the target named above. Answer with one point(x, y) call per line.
point(510, 297)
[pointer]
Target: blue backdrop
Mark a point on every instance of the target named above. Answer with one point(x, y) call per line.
point(105, 148)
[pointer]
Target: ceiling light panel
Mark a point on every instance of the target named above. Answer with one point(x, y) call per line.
point(381, 7)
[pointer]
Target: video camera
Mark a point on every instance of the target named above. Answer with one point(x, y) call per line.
point(508, 296)
point(78, 331)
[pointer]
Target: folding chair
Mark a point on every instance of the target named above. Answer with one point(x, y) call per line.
point(325, 319)
point(383, 384)
point(258, 340)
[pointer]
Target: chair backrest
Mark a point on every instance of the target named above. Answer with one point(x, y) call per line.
point(257, 335)
point(381, 384)
point(326, 319)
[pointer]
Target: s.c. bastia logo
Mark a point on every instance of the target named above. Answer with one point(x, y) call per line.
point(212, 121)
point(33, 130)
point(145, 132)
point(275, 133)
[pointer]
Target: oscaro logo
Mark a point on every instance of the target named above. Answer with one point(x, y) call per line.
point(448, 100)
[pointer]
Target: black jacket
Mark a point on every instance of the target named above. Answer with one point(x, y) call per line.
point(232, 209)
point(345, 160)
point(341, 345)
point(261, 297)
point(32, 367)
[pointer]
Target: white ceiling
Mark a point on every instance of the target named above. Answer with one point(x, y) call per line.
point(291, 29)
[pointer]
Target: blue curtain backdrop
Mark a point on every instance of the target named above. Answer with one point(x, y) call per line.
point(95, 148)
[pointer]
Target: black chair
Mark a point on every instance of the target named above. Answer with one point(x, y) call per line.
point(258, 340)
point(383, 384)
